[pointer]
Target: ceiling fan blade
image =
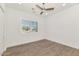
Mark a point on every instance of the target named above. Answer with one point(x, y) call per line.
point(39, 7)
point(43, 3)
point(49, 9)
point(41, 13)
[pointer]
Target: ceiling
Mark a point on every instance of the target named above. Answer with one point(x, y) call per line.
point(27, 7)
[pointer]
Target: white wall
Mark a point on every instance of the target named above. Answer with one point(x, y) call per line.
point(14, 35)
point(1, 30)
point(64, 27)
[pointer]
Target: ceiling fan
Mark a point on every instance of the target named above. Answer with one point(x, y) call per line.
point(43, 8)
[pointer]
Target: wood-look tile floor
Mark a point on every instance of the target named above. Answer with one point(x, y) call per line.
point(41, 48)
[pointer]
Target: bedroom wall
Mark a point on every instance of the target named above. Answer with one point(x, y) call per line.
point(2, 29)
point(63, 27)
point(14, 35)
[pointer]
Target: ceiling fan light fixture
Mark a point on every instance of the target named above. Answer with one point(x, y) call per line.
point(64, 4)
point(46, 13)
point(20, 3)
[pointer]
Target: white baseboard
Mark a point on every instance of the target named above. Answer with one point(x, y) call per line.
point(64, 43)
